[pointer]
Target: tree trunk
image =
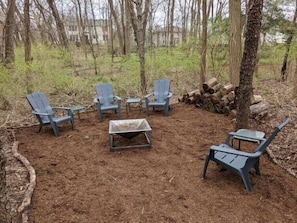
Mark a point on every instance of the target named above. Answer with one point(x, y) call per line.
point(127, 28)
point(203, 44)
point(171, 23)
point(117, 23)
point(27, 44)
point(139, 21)
point(90, 30)
point(235, 41)
point(294, 95)
point(249, 61)
point(9, 29)
point(288, 46)
point(60, 25)
point(81, 27)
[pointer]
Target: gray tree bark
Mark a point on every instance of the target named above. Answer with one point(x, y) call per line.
point(60, 25)
point(139, 22)
point(9, 31)
point(248, 62)
point(203, 43)
point(235, 41)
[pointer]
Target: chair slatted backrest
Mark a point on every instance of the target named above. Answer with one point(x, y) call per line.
point(39, 103)
point(161, 90)
point(105, 94)
point(261, 148)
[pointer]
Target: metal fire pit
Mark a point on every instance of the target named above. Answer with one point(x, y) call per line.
point(129, 128)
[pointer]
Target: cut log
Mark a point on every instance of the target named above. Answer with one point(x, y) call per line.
point(231, 96)
point(232, 113)
point(215, 88)
point(259, 109)
point(210, 83)
point(226, 89)
point(190, 100)
point(216, 97)
point(181, 99)
point(192, 93)
point(218, 108)
point(232, 105)
point(224, 101)
point(236, 91)
point(226, 110)
point(256, 99)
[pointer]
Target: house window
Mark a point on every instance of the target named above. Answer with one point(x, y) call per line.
point(73, 38)
point(72, 28)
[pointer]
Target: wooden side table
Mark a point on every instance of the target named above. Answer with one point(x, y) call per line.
point(130, 101)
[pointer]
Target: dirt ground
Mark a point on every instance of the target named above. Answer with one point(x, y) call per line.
point(80, 181)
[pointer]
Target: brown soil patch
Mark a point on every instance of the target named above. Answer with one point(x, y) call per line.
point(80, 180)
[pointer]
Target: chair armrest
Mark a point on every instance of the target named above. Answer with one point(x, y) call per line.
point(226, 149)
point(97, 100)
point(117, 97)
point(148, 95)
point(69, 111)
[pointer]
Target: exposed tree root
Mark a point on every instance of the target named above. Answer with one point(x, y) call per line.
point(23, 208)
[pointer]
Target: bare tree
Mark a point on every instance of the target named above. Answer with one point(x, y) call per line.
point(292, 31)
point(91, 31)
point(125, 12)
point(235, 41)
point(203, 43)
point(27, 44)
point(60, 25)
point(81, 26)
point(195, 18)
point(171, 23)
point(27, 41)
point(184, 12)
point(9, 31)
point(139, 13)
point(249, 60)
point(43, 23)
point(118, 25)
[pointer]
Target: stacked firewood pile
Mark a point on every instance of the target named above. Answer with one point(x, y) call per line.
point(216, 97)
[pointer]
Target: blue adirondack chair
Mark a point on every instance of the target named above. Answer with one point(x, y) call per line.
point(238, 161)
point(161, 96)
point(106, 100)
point(46, 114)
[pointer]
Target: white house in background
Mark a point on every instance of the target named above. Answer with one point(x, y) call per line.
point(96, 32)
point(161, 36)
point(273, 38)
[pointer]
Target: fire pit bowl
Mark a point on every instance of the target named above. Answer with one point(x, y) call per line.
point(129, 128)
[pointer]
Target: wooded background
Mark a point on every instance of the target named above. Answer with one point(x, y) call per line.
point(213, 35)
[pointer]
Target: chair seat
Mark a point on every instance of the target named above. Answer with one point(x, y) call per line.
point(152, 104)
point(109, 107)
point(62, 119)
point(233, 161)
